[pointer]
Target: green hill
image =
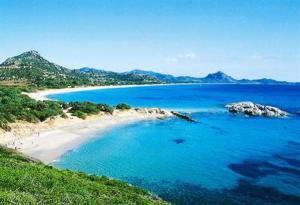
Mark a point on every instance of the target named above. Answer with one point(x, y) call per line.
point(25, 181)
point(31, 69)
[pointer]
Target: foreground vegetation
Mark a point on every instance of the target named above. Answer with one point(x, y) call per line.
point(16, 106)
point(24, 181)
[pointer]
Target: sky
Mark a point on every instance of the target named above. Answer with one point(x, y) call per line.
point(243, 38)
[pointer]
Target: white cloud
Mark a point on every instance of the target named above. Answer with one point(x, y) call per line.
point(182, 57)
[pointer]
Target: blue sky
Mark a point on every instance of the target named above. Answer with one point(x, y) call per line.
point(244, 38)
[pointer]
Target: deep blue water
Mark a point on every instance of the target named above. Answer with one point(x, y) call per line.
point(224, 158)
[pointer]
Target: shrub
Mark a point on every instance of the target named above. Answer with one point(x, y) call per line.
point(123, 106)
point(16, 106)
point(105, 108)
point(85, 107)
point(79, 114)
point(64, 115)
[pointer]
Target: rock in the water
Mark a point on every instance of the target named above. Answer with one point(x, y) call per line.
point(183, 116)
point(250, 108)
point(178, 141)
point(298, 113)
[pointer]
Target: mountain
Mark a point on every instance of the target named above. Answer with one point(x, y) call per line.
point(166, 77)
point(218, 77)
point(99, 76)
point(30, 68)
point(269, 81)
point(159, 76)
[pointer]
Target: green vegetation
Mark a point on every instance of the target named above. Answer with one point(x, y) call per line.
point(25, 181)
point(89, 108)
point(16, 106)
point(123, 106)
point(33, 71)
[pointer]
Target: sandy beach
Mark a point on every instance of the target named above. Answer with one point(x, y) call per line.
point(43, 94)
point(49, 140)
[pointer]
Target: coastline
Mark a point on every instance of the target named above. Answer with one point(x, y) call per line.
point(49, 140)
point(43, 94)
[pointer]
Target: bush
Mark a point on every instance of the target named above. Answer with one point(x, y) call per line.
point(123, 106)
point(64, 115)
point(105, 108)
point(79, 114)
point(16, 106)
point(85, 107)
point(4, 125)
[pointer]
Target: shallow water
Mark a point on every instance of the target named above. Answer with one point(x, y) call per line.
point(224, 158)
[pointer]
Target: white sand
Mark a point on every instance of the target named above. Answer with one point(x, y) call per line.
point(49, 140)
point(43, 94)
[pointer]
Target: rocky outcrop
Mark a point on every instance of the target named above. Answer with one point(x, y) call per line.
point(250, 108)
point(154, 111)
point(162, 113)
point(183, 116)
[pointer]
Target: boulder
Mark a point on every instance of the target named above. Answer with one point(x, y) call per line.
point(252, 109)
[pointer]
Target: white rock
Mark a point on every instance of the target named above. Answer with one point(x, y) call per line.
point(250, 108)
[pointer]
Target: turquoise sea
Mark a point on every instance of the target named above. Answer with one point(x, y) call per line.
point(221, 159)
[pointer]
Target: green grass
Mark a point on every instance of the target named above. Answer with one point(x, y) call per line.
point(25, 181)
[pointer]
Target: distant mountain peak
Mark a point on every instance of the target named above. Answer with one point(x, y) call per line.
point(218, 74)
point(26, 56)
point(31, 53)
point(220, 77)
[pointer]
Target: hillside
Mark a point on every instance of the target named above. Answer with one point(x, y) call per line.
point(218, 77)
point(99, 77)
point(31, 69)
point(25, 181)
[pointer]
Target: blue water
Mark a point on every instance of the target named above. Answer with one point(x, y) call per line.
point(224, 158)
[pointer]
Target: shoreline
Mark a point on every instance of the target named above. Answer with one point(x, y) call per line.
point(43, 94)
point(48, 141)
